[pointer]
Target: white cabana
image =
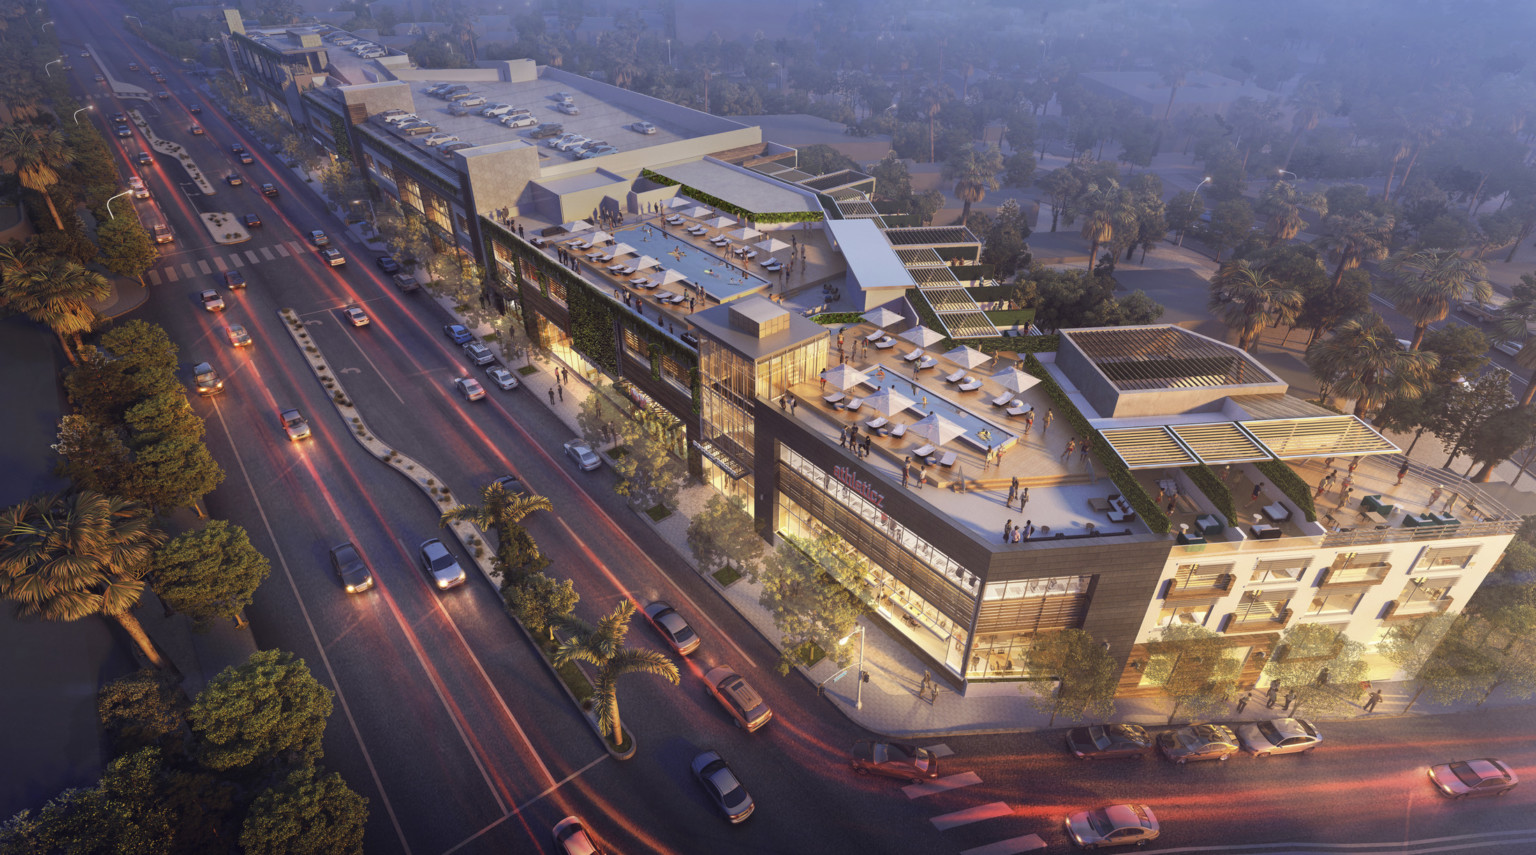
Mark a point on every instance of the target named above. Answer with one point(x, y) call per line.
point(882, 317)
point(745, 233)
point(668, 276)
point(678, 202)
point(936, 429)
point(1014, 380)
point(719, 222)
point(888, 401)
point(772, 245)
point(598, 237)
point(697, 212)
point(619, 249)
point(646, 263)
point(922, 336)
point(844, 377)
point(967, 356)
point(575, 226)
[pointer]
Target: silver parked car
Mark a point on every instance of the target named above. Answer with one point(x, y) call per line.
point(582, 453)
point(1115, 825)
point(1278, 736)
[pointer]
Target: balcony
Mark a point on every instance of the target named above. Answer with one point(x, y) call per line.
point(1344, 575)
point(1410, 609)
point(1258, 623)
point(1214, 590)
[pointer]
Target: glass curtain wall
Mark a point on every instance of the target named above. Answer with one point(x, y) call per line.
point(727, 379)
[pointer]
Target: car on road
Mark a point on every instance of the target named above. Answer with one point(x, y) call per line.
point(519, 120)
point(233, 179)
point(294, 425)
point(1109, 741)
point(211, 300)
point(85, 54)
point(252, 221)
point(318, 238)
point(503, 378)
point(582, 454)
point(136, 186)
point(269, 190)
point(234, 279)
point(894, 760)
point(119, 118)
point(457, 333)
point(1197, 742)
point(133, 66)
point(573, 838)
point(469, 387)
point(356, 316)
point(161, 233)
point(197, 130)
point(1464, 778)
point(440, 565)
point(163, 95)
point(237, 335)
point(406, 282)
point(715, 775)
point(674, 629)
point(143, 158)
point(1278, 736)
point(194, 108)
point(512, 485)
point(245, 158)
point(351, 570)
point(332, 256)
point(479, 353)
point(159, 78)
point(123, 131)
point(154, 69)
point(236, 148)
point(746, 706)
point(207, 379)
point(642, 127)
point(100, 79)
point(1114, 825)
point(387, 263)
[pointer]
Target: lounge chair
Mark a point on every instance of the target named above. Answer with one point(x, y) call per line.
point(948, 459)
point(1002, 399)
point(674, 220)
point(955, 377)
point(886, 343)
point(927, 363)
point(898, 431)
point(875, 336)
point(924, 451)
point(833, 398)
point(854, 404)
point(580, 244)
point(1017, 409)
point(616, 267)
point(639, 281)
point(627, 271)
point(749, 254)
point(970, 385)
point(772, 264)
point(697, 231)
point(914, 355)
point(876, 424)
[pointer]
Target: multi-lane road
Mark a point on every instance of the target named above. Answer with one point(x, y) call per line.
point(445, 719)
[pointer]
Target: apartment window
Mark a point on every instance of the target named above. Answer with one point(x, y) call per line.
point(1334, 604)
point(1421, 593)
point(1450, 558)
point(1184, 615)
point(1280, 570)
point(460, 223)
point(1199, 576)
point(1260, 606)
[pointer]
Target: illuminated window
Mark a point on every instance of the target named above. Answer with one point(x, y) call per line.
point(1280, 571)
point(1334, 604)
point(1184, 615)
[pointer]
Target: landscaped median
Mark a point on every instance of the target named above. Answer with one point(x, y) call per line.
point(174, 150)
point(224, 228)
point(572, 677)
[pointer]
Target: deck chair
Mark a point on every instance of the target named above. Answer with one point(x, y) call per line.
point(924, 451)
point(875, 336)
point(876, 424)
point(1002, 399)
point(833, 398)
point(948, 459)
point(898, 431)
point(955, 377)
point(854, 404)
point(928, 362)
point(970, 385)
point(913, 356)
point(885, 344)
point(1017, 409)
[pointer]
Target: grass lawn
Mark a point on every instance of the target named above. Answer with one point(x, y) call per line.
point(810, 654)
point(727, 576)
point(527, 369)
point(657, 513)
point(1009, 317)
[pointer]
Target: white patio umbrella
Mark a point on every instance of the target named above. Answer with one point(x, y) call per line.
point(619, 249)
point(646, 262)
point(720, 222)
point(575, 226)
point(745, 233)
point(678, 202)
point(936, 429)
point(967, 356)
point(888, 401)
point(598, 237)
point(882, 317)
point(697, 211)
point(922, 336)
point(1014, 380)
point(844, 377)
point(772, 245)
point(669, 276)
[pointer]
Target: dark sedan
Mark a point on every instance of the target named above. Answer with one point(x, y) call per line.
point(722, 786)
point(387, 264)
point(894, 760)
point(1104, 742)
point(350, 568)
point(252, 221)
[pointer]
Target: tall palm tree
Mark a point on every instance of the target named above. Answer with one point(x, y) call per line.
point(1362, 360)
point(1105, 209)
point(64, 557)
point(1247, 298)
point(1174, 75)
point(1514, 323)
point(603, 646)
point(975, 173)
point(498, 506)
point(52, 291)
point(932, 99)
point(1281, 205)
point(1353, 239)
point(1312, 101)
point(1425, 283)
point(34, 155)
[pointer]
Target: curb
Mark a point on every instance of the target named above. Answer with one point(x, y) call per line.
point(175, 150)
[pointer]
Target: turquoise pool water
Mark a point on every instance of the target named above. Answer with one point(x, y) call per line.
point(719, 278)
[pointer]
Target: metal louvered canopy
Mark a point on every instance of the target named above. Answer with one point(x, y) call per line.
point(1323, 436)
point(1147, 447)
point(1220, 442)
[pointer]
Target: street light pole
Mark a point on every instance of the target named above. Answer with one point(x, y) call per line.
point(1192, 199)
point(109, 203)
point(136, 18)
point(45, 67)
point(82, 110)
point(1293, 175)
point(858, 697)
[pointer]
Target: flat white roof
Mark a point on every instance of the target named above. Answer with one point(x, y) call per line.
point(750, 190)
point(871, 258)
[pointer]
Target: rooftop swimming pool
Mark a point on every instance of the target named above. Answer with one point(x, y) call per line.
point(979, 432)
point(721, 279)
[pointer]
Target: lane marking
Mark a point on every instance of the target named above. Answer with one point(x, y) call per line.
point(941, 785)
point(188, 269)
point(1455, 843)
point(979, 813)
point(520, 808)
point(219, 263)
point(298, 248)
point(388, 385)
point(280, 250)
point(1011, 846)
point(236, 260)
point(251, 257)
point(154, 277)
point(266, 252)
point(203, 266)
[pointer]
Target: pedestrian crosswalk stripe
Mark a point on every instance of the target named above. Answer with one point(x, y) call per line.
point(1011, 846)
point(940, 785)
point(186, 268)
point(940, 750)
point(298, 248)
point(203, 266)
point(219, 263)
point(154, 277)
point(993, 810)
point(251, 257)
point(236, 260)
point(267, 253)
point(281, 250)
point(170, 274)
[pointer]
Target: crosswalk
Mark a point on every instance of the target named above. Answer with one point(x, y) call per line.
point(973, 814)
point(176, 271)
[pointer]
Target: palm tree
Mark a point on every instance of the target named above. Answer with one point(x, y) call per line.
point(1312, 101)
point(1105, 209)
point(498, 507)
point(975, 173)
point(603, 646)
point(1353, 239)
point(34, 156)
point(1514, 323)
point(932, 101)
point(1174, 76)
point(1247, 298)
point(64, 557)
point(1425, 283)
point(53, 291)
point(1362, 360)
point(1281, 205)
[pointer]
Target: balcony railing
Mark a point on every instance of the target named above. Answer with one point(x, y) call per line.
point(1215, 589)
point(1416, 608)
point(1361, 574)
point(1259, 623)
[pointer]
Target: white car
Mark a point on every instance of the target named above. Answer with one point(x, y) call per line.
point(136, 184)
point(400, 120)
point(211, 300)
point(439, 139)
point(556, 142)
point(470, 388)
point(582, 454)
point(568, 109)
point(643, 128)
point(1508, 348)
point(501, 377)
point(479, 353)
point(1114, 825)
point(572, 144)
point(496, 110)
point(357, 316)
point(522, 120)
point(1278, 736)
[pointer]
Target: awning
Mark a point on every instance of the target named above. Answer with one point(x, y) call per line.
point(1220, 442)
point(1147, 447)
point(1323, 436)
point(1158, 446)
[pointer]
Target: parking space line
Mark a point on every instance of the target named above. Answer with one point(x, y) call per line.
point(1011, 846)
point(941, 785)
point(993, 810)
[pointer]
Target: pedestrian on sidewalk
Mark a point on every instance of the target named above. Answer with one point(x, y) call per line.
point(906, 475)
point(561, 391)
point(922, 475)
point(1373, 700)
point(1013, 489)
point(1050, 416)
point(1402, 473)
point(1321, 489)
point(1290, 698)
point(1023, 498)
point(1243, 702)
point(1007, 530)
point(1274, 694)
point(793, 403)
point(1071, 446)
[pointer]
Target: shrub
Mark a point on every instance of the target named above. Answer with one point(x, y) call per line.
point(1295, 489)
point(1205, 478)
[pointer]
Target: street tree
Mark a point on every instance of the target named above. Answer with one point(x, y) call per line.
point(974, 173)
point(95, 457)
point(1019, 169)
point(1362, 361)
point(1516, 319)
point(1184, 211)
point(174, 473)
point(210, 573)
point(1190, 664)
point(1107, 209)
point(163, 417)
point(1350, 239)
point(1501, 636)
point(808, 587)
point(55, 292)
point(541, 603)
point(65, 557)
point(602, 645)
point(893, 179)
point(1231, 223)
point(35, 155)
point(1321, 665)
point(1060, 185)
point(1424, 284)
point(310, 812)
point(268, 711)
point(1085, 671)
point(723, 533)
point(1415, 648)
point(141, 709)
point(1467, 407)
point(649, 473)
point(1247, 299)
point(1500, 436)
point(126, 248)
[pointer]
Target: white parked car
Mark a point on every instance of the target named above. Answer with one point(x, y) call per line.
point(574, 143)
point(402, 119)
point(582, 455)
point(496, 110)
point(568, 108)
point(556, 142)
point(519, 120)
point(439, 139)
point(597, 152)
point(643, 128)
point(501, 377)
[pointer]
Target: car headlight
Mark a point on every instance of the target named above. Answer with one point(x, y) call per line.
point(442, 583)
point(351, 589)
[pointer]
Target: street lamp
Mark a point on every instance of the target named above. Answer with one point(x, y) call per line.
point(44, 26)
point(858, 698)
point(1293, 175)
point(45, 67)
point(1192, 199)
point(82, 110)
point(109, 203)
point(136, 18)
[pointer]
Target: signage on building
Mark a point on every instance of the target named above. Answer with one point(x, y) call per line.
point(865, 489)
